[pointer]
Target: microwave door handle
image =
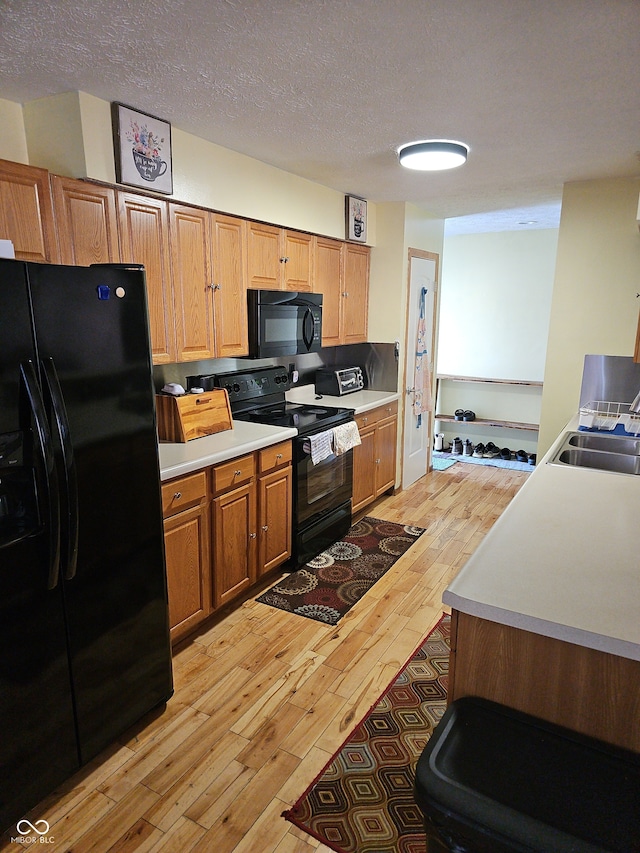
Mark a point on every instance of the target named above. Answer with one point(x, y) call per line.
point(308, 338)
point(61, 423)
point(42, 441)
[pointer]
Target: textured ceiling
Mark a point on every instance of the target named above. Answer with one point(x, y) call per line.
point(543, 91)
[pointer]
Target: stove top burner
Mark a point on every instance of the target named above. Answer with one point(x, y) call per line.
point(306, 419)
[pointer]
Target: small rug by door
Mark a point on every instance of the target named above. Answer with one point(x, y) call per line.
point(328, 586)
point(362, 802)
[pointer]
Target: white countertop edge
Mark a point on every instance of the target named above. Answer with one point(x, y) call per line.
point(566, 633)
point(181, 459)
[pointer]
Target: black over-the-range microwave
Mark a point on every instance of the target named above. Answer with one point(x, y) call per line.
point(284, 323)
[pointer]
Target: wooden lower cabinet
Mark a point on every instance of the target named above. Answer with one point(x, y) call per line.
point(186, 538)
point(274, 507)
point(584, 689)
point(225, 527)
point(374, 460)
point(234, 543)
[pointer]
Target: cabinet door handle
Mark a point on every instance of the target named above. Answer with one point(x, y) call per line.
point(265, 527)
point(252, 535)
point(284, 260)
point(177, 496)
point(215, 286)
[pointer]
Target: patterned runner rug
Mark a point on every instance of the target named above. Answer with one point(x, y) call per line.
point(362, 802)
point(326, 587)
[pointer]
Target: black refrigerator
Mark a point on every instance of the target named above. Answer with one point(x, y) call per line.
point(84, 634)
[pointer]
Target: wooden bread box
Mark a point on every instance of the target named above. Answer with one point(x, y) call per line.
point(181, 419)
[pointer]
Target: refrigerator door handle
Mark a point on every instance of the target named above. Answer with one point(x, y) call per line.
point(42, 440)
point(61, 423)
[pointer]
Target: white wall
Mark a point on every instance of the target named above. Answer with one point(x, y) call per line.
point(595, 304)
point(495, 304)
point(71, 134)
point(13, 140)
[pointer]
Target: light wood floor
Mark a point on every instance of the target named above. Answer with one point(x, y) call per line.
point(263, 699)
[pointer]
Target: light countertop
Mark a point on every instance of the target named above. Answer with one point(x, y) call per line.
point(361, 401)
point(245, 437)
point(563, 560)
point(179, 459)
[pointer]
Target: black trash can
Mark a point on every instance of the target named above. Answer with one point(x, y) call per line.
point(494, 780)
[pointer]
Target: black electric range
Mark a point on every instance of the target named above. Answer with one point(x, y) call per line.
point(322, 491)
point(258, 395)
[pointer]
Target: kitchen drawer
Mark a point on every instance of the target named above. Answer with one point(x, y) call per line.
point(374, 416)
point(233, 473)
point(184, 492)
point(275, 456)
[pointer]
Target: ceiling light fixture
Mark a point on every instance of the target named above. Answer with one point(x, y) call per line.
point(433, 155)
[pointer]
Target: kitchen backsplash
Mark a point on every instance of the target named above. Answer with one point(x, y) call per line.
point(378, 363)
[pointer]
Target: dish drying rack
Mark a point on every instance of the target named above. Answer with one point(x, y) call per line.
point(603, 416)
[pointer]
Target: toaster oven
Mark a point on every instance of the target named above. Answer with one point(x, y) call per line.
point(337, 381)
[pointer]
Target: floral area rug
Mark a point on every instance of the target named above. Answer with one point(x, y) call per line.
point(362, 802)
point(326, 587)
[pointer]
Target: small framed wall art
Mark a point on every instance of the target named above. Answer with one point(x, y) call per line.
point(142, 145)
point(356, 218)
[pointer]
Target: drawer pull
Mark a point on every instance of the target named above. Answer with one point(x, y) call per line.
point(278, 455)
point(201, 400)
point(365, 420)
point(177, 496)
point(237, 473)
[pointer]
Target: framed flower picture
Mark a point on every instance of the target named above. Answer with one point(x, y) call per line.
point(142, 145)
point(356, 218)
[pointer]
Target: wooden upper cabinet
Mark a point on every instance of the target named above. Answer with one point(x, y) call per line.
point(144, 239)
point(26, 212)
point(278, 259)
point(356, 293)
point(263, 256)
point(192, 282)
point(229, 286)
point(328, 281)
point(87, 222)
point(297, 260)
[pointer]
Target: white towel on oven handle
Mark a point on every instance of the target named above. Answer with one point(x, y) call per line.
point(345, 436)
point(319, 445)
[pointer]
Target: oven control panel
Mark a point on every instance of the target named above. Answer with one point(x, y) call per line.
point(255, 384)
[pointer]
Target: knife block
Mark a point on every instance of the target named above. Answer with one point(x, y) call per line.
point(181, 419)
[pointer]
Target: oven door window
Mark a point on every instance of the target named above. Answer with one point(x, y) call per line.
point(322, 487)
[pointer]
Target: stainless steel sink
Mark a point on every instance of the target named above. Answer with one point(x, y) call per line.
point(618, 454)
point(609, 443)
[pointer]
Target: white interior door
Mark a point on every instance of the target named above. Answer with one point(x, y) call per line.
point(423, 272)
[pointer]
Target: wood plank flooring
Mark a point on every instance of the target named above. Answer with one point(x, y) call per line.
point(264, 698)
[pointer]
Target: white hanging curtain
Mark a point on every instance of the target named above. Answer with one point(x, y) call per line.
point(422, 401)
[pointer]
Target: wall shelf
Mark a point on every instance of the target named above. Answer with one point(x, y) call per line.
point(501, 423)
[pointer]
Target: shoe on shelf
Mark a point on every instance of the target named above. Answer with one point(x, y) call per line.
point(456, 447)
point(522, 456)
point(467, 448)
point(491, 451)
point(468, 415)
point(505, 454)
point(532, 459)
point(458, 415)
point(478, 451)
